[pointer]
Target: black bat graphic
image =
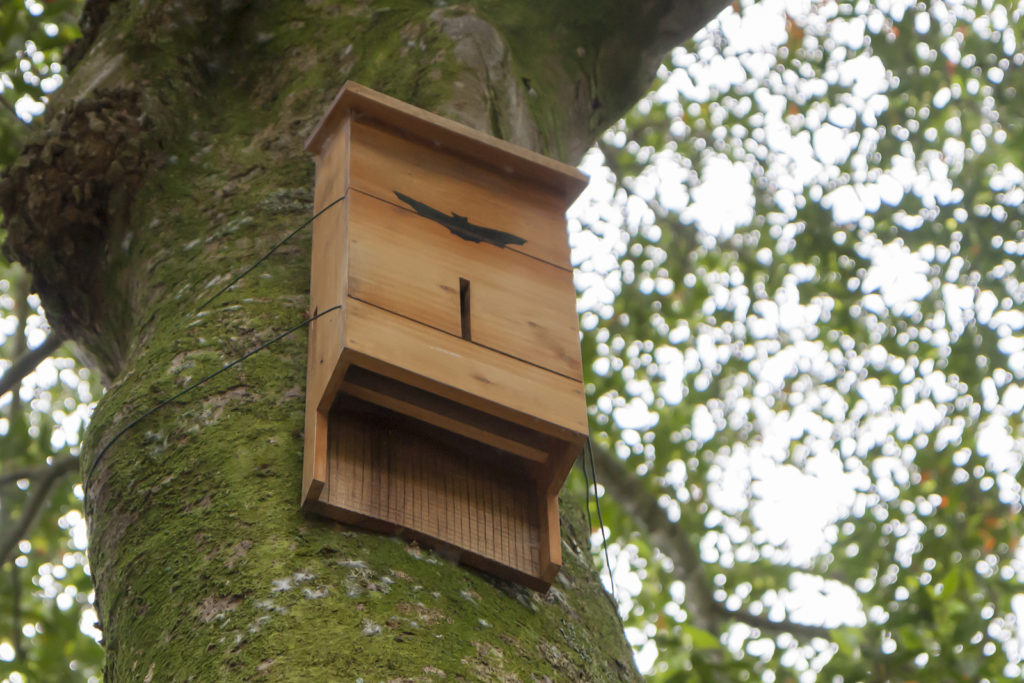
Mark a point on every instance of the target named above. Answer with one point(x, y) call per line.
point(460, 225)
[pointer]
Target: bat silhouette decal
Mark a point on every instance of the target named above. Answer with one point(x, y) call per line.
point(460, 225)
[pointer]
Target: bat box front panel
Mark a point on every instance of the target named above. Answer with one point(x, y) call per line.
point(492, 296)
point(386, 159)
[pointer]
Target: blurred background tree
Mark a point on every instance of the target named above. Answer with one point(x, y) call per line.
point(804, 320)
point(45, 614)
point(799, 275)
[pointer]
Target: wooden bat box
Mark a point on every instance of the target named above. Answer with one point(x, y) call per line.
point(445, 396)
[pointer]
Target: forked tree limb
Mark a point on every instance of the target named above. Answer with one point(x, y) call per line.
point(706, 613)
point(28, 362)
point(39, 494)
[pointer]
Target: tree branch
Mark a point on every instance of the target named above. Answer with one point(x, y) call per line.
point(34, 472)
point(763, 623)
point(672, 539)
point(9, 107)
point(628, 491)
point(28, 362)
point(36, 501)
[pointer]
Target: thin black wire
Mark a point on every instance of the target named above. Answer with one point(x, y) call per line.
point(589, 450)
point(92, 466)
point(140, 418)
point(272, 250)
point(586, 489)
point(96, 460)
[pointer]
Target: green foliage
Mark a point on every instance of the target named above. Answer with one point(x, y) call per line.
point(45, 592)
point(33, 35)
point(841, 328)
point(818, 369)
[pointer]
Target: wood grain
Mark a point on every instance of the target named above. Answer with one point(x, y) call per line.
point(412, 266)
point(328, 286)
point(358, 101)
point(462, 371)
point(384, 162)
point(415, 481)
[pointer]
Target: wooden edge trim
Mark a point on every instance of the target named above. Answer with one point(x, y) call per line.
point(561, 463)
point(443, 421)
point(483, 148)
point(459, 396)
point(551, 536)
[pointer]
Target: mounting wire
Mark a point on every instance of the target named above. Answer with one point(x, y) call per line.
point(272, 250)
point(588, 450)
point(204, 380)
point(140, 418)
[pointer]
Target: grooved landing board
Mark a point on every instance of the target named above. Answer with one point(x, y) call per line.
point(411, 477)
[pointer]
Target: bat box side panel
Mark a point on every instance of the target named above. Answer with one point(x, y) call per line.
point(494, 297)
point(329, 277)
point(328, 288)
point(384, 161)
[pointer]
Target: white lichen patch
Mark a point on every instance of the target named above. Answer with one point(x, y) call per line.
point(484, 623)
point(361, 578)
point(556, 597)
point(270, 606)
point(470, 595)
point(370, 628)
point(216, 607)
point(301, 577)
point(357, 564)
point(278, 585)
point(233, 225)
point(315, 593)
point(260, 620)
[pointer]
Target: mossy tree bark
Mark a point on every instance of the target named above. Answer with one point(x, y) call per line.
point(170, 160)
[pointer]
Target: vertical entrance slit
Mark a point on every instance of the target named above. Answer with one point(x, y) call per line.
point(464, 307)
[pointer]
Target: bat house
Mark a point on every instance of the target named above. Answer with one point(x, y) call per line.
point(445, 395)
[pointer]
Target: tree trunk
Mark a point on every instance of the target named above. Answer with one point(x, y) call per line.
point(172, 159)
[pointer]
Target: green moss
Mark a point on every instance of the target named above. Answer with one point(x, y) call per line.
point(205, 565)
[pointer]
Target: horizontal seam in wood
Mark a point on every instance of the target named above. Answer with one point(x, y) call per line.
point(455, 336)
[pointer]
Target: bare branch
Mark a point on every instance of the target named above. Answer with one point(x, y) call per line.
point(673, 539)
point(10, 107)
point(628, 491)
point(34, 472)
point(38, 496)
point(765, 624)
point(28, 362)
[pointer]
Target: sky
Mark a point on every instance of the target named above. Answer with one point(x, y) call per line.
point(796, 509)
